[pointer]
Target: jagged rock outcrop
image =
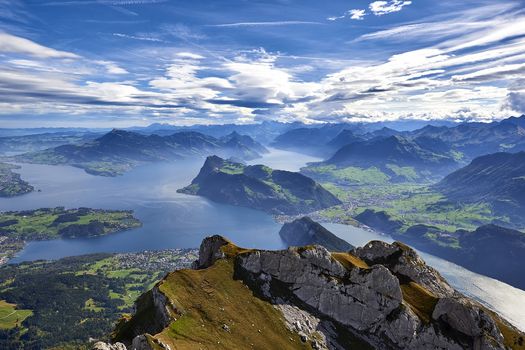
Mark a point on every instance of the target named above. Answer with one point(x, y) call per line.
point(305, 231)
point(406, 264)
point(105, 346)
point(382, 295)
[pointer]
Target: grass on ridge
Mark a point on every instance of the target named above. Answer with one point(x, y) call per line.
point(10, 317)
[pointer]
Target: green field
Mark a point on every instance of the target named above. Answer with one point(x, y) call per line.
point(410, 203)
point(348, 175)
point(10, 316)
point(65, 302)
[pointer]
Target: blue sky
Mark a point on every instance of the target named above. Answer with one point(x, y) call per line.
point(135, 62)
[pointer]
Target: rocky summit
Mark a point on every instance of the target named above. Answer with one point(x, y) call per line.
point(380, 296)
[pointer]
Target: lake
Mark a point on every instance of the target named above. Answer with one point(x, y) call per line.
point(174, 220)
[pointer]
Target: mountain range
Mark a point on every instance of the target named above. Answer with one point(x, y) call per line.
point(438, 148)
point(118, 151)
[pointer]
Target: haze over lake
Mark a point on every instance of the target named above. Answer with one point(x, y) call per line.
point(174, 220)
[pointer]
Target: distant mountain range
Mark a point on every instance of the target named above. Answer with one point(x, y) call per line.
point(310, 140)
point(497, 179)
point(475, 139)
point(259, 187)
point(118, 151)
point(429, 153)
point(10, 145)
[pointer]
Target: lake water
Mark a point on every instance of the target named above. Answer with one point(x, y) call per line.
point(174, 220)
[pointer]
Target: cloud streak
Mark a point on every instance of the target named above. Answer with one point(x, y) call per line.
point(14, 44)
point(463, 64)
point(263, 24)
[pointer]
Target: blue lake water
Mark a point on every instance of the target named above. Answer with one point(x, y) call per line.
point(173, 220)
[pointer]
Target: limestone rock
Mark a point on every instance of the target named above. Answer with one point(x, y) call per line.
point(210, 251)
point(106, 346)
point(406, 264)
point(383, 295)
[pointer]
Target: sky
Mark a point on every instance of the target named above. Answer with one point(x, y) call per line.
point(115, 63)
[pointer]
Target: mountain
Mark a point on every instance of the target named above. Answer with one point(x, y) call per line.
point(118, 151)
point(244, 145)
point(476, 139)
point(36, 142)
point(381, 296)
point(393, 149)
point(259, 187)
point(491, 250)
point(305, 231)
point(344, 138)
point(263, 132)
point(497, 179)
point(309, 140)
point(395, 156)
point(382, 133)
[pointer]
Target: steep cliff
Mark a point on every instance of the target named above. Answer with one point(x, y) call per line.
point(380, 296)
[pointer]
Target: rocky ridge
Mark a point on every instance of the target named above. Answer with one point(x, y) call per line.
point(380, 296)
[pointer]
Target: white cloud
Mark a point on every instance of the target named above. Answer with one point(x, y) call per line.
point(516, 101)
point(467, 66)
point(138, 37)
point(190, 55)
point(380, 8)
point(112, 67)
point(457, 24)
point(14, 44)
point(356, 14)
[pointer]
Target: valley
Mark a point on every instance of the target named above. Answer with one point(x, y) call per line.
point(170, 217)
point(259, 175)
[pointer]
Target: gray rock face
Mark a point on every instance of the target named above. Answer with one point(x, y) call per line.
point(210, 251)
point(358, 298)
point(105, 346)
point(370, 301)
point(406, 264)
point(381, 294)
point(466, 318)
point(140, 343)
